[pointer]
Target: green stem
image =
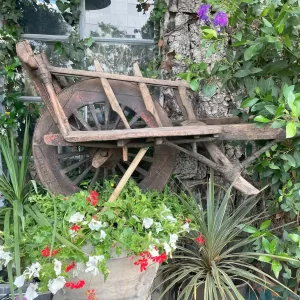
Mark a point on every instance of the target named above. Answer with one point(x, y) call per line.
point(17, 243)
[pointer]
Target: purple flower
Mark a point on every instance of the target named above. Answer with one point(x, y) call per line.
point(203, 12)
point(221, 19)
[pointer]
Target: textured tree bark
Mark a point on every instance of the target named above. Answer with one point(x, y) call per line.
point(181, 36)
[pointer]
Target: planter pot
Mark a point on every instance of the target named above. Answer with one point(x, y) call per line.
point(4, 290)
point(125, 281)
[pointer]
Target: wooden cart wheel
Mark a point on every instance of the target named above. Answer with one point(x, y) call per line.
point(62, 168)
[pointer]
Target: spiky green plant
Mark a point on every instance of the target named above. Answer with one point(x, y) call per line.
point(15, 189)
point(216, 262)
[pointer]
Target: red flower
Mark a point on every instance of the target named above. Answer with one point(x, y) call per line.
point(160, 258)
point(75, 285)
point(143, 263)
point(46, 252)
point(188, 220)
point(93, 198)
point(200, 240)
point(91, 295)
point(75, 228)
point(70, 267)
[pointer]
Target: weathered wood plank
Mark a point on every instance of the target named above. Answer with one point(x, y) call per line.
point(150, 81)
point(111, 96)
point(187, 104)
point(146, 95)
point(84, 136)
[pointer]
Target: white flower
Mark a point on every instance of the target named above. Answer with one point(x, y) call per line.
point(19, 281)
point(153, 251)
point(167, 248)
point(92, 264)
point(158, 227)
point(72, 233)
point(102, 235)
point(54, 285)
point(57, 267)
point(170, 218)
point(4, 255)
point(186, 227)
point(136, 218)
point(33, 271)
point(173, 240)
point(95, 225)
point(76, 218)
point(147, 223)
point(31, 291)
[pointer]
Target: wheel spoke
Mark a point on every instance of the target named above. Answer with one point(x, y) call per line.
point(105, 174)
point(106, 113)
point(118, 118)
point(114, 171)
point(145, 158)
point(92, 183)
point(76, 165)
point(133, 120)
point(121, 168)
point(82, 175)
point(95, 117)
point(138, 169)
point(82, 121)
point(70, 154)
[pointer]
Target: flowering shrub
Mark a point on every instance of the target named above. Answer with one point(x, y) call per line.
point(146, 225)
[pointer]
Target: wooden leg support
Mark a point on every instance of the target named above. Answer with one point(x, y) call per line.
point(114, 196)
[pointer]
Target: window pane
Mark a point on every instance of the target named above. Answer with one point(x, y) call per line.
point(119, 58)
point(117, 19)
point(42, 18)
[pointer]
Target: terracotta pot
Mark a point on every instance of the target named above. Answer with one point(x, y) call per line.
point(125, 281)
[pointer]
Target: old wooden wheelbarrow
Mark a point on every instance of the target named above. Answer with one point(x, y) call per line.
point(108, 124)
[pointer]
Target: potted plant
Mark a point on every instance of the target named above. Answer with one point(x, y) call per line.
point(15, 187)
point(210, 263)
point(83, 247)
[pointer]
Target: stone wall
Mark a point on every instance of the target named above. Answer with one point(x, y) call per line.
point(181, 36)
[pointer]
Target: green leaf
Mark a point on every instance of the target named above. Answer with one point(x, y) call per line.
point(291, 129)
point(183, 76)
point(242, 73)
point(261, 119)
point(194, 85)
point(287, 91)
point(289, 158)
point(288, 42)
point(249, 102)
point(250, 52)
point(249, 229)
point(267, 23)
point(210, 33)
point(278, 124)
point(280, 28)
point(276, 267)
point(273, 166)
point(264, 258)
point(271, 109)
point(279, 111)
point(265, 244)
point(294, 237)
point(209, 89)
point(273, 245)
point(265, 225)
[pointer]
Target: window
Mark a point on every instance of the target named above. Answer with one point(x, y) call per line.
point(122, 34)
